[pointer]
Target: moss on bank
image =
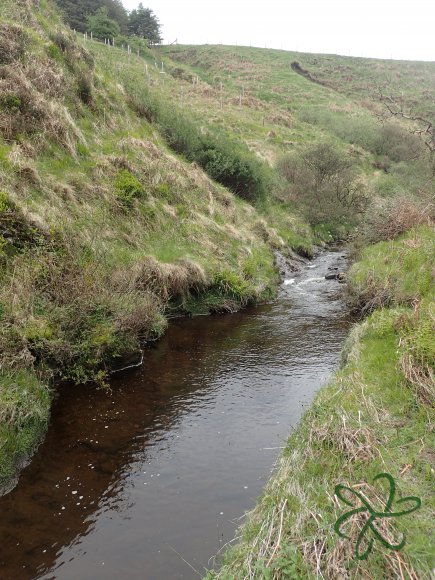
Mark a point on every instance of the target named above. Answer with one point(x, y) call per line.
point(375, 416)
point(24, 410)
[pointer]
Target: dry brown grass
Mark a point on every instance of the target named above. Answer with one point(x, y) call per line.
point(386, 219)
point(421, 378)
point(169, 281)
point(13, 41)
point(355, 442)
point(416, 359)
point(333, 563)
point(31, 96)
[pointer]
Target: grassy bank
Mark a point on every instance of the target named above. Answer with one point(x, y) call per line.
point(375, 416)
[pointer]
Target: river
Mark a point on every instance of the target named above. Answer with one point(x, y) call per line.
point(151, 480)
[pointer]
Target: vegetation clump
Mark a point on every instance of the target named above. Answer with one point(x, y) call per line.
point(128, 187)
point(324, 182)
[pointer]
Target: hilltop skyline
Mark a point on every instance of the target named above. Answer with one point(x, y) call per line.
point(378, 29)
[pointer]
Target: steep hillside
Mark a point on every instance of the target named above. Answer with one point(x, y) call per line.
point(104, 231)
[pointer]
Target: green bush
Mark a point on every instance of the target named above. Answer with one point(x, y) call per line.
point(128, 187)
point(390, 141)
point(54, 52)
point(84, 87)
point(228, 162)
point(234, 167)
point(5, 204)
point(362, 131)
point(398, 144)
point(324, 182)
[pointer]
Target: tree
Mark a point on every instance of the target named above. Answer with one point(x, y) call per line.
point(144, 23)
point(101, 25)
point(76, 12)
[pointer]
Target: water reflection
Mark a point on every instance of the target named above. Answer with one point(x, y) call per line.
point(138, 482)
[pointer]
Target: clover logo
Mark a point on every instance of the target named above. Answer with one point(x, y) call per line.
point(372, 516)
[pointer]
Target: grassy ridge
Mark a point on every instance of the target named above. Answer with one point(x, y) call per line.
point(374, 417)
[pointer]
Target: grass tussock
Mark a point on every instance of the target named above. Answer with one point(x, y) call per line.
point(417, 351)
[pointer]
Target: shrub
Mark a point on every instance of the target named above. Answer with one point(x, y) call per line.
point(164, 191)
point(228, 162)
point(397, 144)
point(128, 187)
point(5, 204)
point(13, 41)
point(54, 52)
point(323, 181)
point(362, 131)
point(10, 102)
point(84, 87)
point(386, 219)
point(233, 167)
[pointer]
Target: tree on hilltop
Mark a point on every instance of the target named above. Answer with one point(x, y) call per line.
point(144, 24)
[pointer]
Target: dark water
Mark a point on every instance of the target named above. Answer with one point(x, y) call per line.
point(151, 481)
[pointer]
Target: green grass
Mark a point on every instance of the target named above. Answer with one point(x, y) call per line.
point(24, 410)
point(395, 272)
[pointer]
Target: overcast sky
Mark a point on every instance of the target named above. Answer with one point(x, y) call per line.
point(399, 29)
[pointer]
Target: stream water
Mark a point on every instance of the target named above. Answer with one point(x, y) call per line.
point(152, 480)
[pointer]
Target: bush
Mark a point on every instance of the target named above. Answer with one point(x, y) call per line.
point(362, 131)
point(5, 204)
point(323, 181)
point(128, 188)
point(389, 141)
point(13, 40)
point(228, 162)
point(10, 102)
point(84, 87)
point(397, 144)
point(234, 168)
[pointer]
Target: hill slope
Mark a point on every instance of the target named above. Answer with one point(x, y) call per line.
point(104, 231)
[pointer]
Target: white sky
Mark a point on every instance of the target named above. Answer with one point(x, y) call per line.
point(399, 29)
